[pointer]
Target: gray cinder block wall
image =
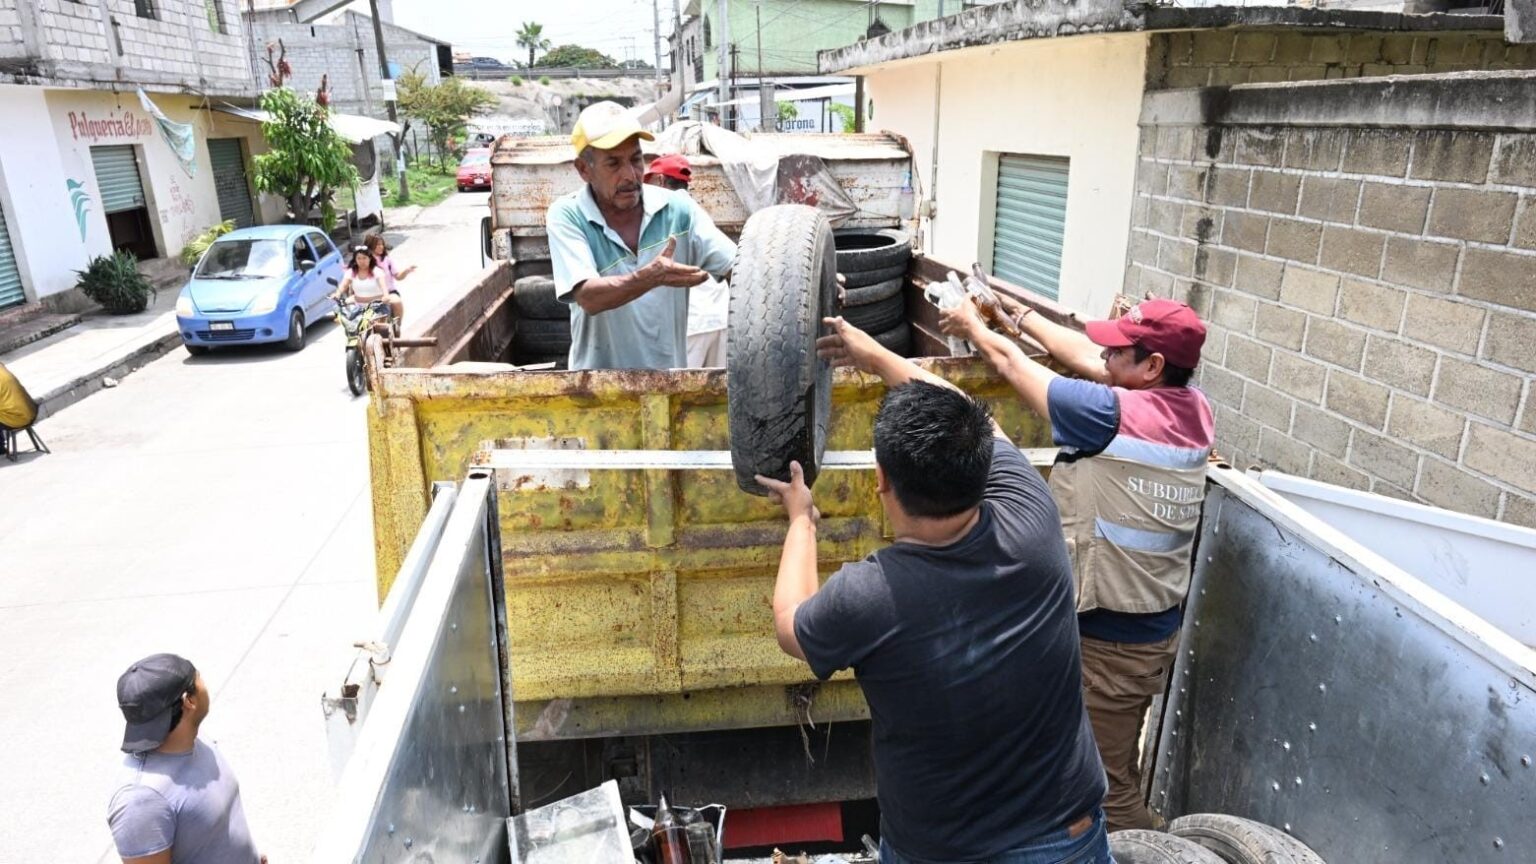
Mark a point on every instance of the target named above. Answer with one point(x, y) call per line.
point(1365, 254)
point(345, 51)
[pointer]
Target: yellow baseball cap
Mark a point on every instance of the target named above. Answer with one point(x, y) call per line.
point(606, 125)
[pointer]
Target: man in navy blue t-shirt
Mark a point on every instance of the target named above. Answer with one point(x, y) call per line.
point(962, 633)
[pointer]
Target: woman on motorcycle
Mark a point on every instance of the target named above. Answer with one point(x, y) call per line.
point(367, 282)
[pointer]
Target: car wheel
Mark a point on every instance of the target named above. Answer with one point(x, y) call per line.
point(295, 340)
point(357, 382)
point(196, 350)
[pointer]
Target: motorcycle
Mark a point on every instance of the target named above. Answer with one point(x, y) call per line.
point(360, 322)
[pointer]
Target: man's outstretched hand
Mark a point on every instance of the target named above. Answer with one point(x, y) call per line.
point(662, 270)
point(794, 495)
point(847, 345)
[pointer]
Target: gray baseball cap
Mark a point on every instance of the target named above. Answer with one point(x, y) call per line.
point(146, 693)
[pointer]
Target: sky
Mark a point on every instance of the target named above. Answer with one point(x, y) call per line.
point(619, 28)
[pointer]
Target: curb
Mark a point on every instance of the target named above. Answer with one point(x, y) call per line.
point(65, 395)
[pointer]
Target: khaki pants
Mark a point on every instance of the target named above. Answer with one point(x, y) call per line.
point(706, 350)
point(1119, 681)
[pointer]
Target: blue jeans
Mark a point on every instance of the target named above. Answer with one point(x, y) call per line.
point(1090, 847)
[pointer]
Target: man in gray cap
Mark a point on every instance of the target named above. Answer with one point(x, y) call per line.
point(178, 801)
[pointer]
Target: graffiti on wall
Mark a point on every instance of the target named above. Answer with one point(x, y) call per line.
point(116, 125)
point(80, 200)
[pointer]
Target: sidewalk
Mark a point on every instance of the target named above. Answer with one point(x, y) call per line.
point(66, 367)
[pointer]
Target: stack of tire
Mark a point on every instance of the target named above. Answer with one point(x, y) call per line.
point(543, 323)
point(874, 263)
point(1211, 838)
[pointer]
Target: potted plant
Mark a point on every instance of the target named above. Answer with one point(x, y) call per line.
point(114, 281)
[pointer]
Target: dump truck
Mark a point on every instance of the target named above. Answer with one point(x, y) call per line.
point(574, 591)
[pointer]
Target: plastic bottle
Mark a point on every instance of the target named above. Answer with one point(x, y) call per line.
point(949, 294)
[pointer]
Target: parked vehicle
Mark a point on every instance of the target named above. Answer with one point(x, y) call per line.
point(555, 618)
point(255, 285)
point(475, 170)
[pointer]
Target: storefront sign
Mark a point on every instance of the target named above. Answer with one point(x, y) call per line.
point(116, 125)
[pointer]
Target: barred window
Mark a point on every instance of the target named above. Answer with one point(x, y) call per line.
point(145, 9)
point(215, 10)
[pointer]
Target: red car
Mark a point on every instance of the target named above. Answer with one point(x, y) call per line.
point(475, 170)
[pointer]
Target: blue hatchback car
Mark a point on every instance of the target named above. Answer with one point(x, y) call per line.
point(263, 284)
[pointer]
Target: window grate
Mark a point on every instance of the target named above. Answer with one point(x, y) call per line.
point(146, 9)
point(216, 21)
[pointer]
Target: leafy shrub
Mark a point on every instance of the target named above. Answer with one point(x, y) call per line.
point(517, 80)
point(544, 79)
point(199, 244)
point(115, 282)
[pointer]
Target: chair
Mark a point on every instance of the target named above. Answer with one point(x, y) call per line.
point(8, 441)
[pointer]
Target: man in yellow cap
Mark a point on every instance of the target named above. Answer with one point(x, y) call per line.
point(625, 252)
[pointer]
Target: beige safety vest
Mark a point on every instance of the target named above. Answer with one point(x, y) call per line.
point(1129, 514)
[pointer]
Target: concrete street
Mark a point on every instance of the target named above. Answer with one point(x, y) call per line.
point(216, 507)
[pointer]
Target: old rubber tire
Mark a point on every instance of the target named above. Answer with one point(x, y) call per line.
point(861, 278)
point(862, 251)
point(877, 317)
point(357, 379)
point(1243, 841)
point(295, 340)
point(539, 337)
point(534, 297)
point(898, 338)
point(784, 281)
point(1155, 847)
point(865, 295)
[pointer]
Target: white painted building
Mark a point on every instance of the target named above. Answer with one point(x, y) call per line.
point(84, 167)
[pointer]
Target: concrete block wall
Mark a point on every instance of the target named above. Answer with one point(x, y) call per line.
point(1370, 289)
point(12, 37)
point(107, 43)
point(1200, 58)
point(332, 49)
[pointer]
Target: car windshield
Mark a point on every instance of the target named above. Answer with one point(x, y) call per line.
point(244, 259)
point(475, 159)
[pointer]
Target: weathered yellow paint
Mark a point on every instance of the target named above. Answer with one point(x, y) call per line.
point(637, 601)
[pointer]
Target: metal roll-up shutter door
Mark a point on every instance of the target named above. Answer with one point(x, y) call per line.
point(10, 276)
point(229, 181)
point(1031, 221)
point(117, 176)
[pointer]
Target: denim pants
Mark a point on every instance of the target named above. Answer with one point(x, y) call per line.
point(1091, 847)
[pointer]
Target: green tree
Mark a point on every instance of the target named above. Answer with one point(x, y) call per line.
point(844, 115)
point(577, 57)
point(306, 159)
point(443, 108)
point(531, 36)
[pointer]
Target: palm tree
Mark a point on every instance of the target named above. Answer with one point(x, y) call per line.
point(532, 38)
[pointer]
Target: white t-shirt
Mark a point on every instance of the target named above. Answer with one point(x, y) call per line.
point(708, 305)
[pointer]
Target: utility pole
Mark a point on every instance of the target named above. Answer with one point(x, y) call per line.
point(677, 53)
point(378, 40)
point(735, 91)
point(656, 38)
point(765, 109)
point(723, 36)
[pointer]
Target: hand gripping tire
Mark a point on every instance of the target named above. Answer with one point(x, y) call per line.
point(534, 297)
point(1154, 847)
point(1236, 840)
point(784, 281)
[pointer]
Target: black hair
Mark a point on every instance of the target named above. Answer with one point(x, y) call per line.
point(1173, 376)
point(176, 706)
point(935, 445)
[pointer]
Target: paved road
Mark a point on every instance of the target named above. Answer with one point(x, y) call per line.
point(216, 507)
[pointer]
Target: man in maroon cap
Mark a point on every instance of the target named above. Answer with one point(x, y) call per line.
point(709, 301)
point(1129, 481)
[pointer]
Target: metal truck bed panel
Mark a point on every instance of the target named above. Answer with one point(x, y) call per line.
point(1323, 690)
point(528, 174)
point(645, 586)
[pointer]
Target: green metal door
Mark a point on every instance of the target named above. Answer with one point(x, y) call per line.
point(10, 276)
point(228, 159)
point(1031, 221)
point(117, 176)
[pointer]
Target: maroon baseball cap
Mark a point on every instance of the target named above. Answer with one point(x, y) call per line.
point(674, 166)
point(1165, 327)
